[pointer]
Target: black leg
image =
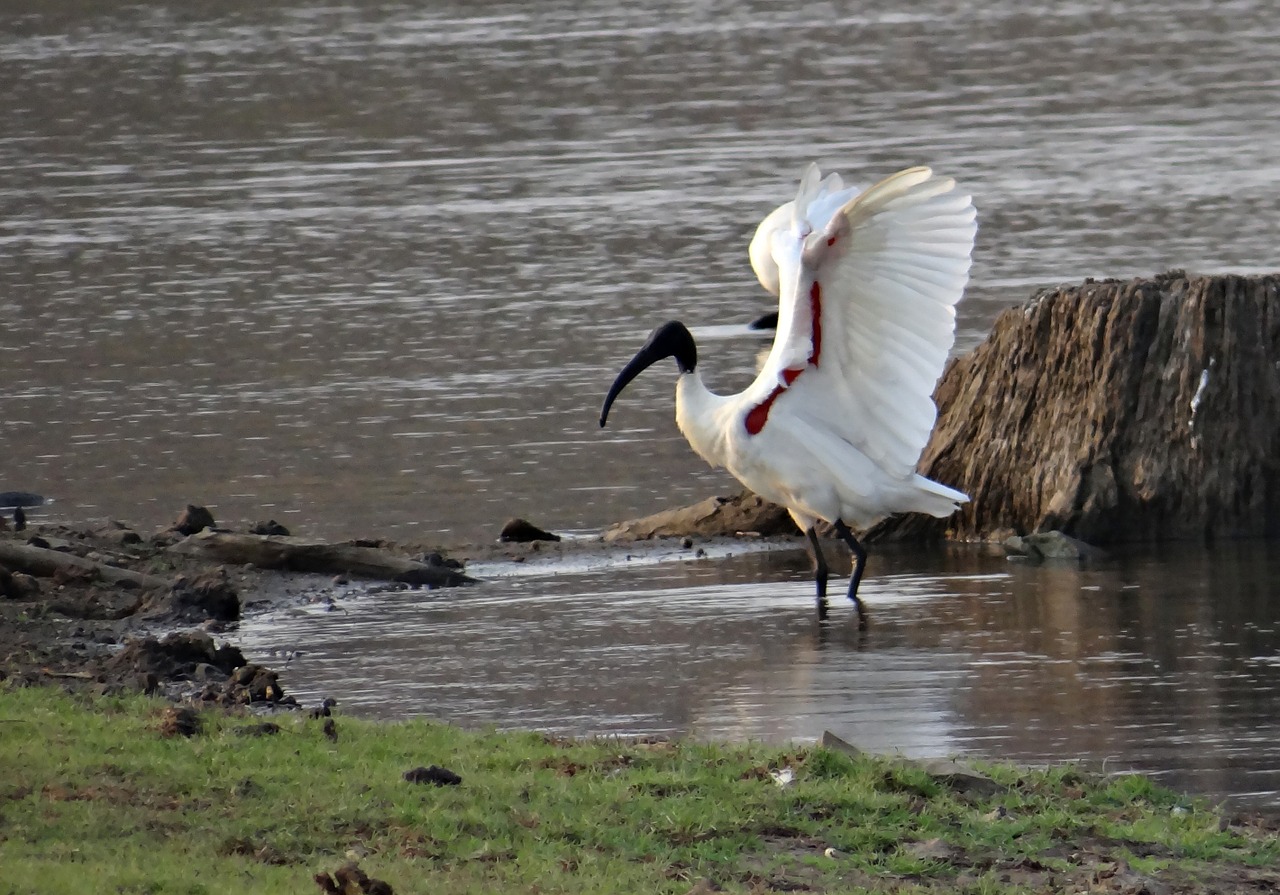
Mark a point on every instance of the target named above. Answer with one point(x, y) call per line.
point(859, 564)
point(820, 573)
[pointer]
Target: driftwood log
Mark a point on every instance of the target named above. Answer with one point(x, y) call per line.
point(1140, 410)
point(45, 563)
point(745, 513)
point(302, 555)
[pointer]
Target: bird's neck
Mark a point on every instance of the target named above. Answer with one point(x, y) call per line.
point(703, 418)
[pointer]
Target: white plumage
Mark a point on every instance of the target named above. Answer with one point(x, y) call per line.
point(833, 426)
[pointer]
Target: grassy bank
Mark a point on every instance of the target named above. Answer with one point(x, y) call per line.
point(103, 789)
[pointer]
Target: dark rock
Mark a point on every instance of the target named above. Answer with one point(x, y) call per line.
point(270, 527)
point(331, 729)
point(177, 654)
point(349, 879)
point(26, 587)
point(523, 531)
point(715, 516)
point(439, 559)
point(254, 683)
point(210, 595)
point(961, 777)
point(1141, 410)
point(434, 774)
point(192, 520)
point(1052, 545)
point(179, 721)
point(837, 744)
point(206, 673)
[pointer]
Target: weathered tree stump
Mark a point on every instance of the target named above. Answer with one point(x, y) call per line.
point(1140, 410)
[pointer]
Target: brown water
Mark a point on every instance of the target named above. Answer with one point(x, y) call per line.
point(367, 268)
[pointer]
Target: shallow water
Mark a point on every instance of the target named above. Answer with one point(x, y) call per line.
point(1135, 665)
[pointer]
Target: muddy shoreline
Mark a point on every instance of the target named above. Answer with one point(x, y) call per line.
point(78, 630)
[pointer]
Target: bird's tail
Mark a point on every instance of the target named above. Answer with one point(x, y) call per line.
point(935, 499)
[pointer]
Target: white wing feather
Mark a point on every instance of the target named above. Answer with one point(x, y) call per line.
point(890, 265)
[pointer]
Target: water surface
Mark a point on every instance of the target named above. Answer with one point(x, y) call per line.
point(368, 268)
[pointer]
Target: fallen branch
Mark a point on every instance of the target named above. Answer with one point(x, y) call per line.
point(301, 555)
point(45, 563)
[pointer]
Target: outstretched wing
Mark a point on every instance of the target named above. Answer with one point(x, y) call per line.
point(868, 286)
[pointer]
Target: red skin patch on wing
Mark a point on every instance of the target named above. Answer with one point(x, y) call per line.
point(815, 309)
point(759, 415)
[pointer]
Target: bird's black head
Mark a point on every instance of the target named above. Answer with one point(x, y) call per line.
point(669, 340)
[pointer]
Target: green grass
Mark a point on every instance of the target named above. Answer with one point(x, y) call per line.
point(91, 790)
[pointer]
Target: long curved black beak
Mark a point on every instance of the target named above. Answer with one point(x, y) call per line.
point(671, 339)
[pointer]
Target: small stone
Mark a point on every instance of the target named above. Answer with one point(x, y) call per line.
point(522, 531)
point(204, 672)
point(836, 744)
point(960, 777)
point(1051, 545)
point(193, 519)
point(179, 721)
point(270, 527)
point(207, 596)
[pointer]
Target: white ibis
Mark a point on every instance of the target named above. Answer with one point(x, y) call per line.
point(835, 421)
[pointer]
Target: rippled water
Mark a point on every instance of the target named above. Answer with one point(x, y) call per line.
point(368, 268)
point(1138, 664)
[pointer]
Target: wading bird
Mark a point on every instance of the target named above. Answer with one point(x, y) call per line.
point(835, 421)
